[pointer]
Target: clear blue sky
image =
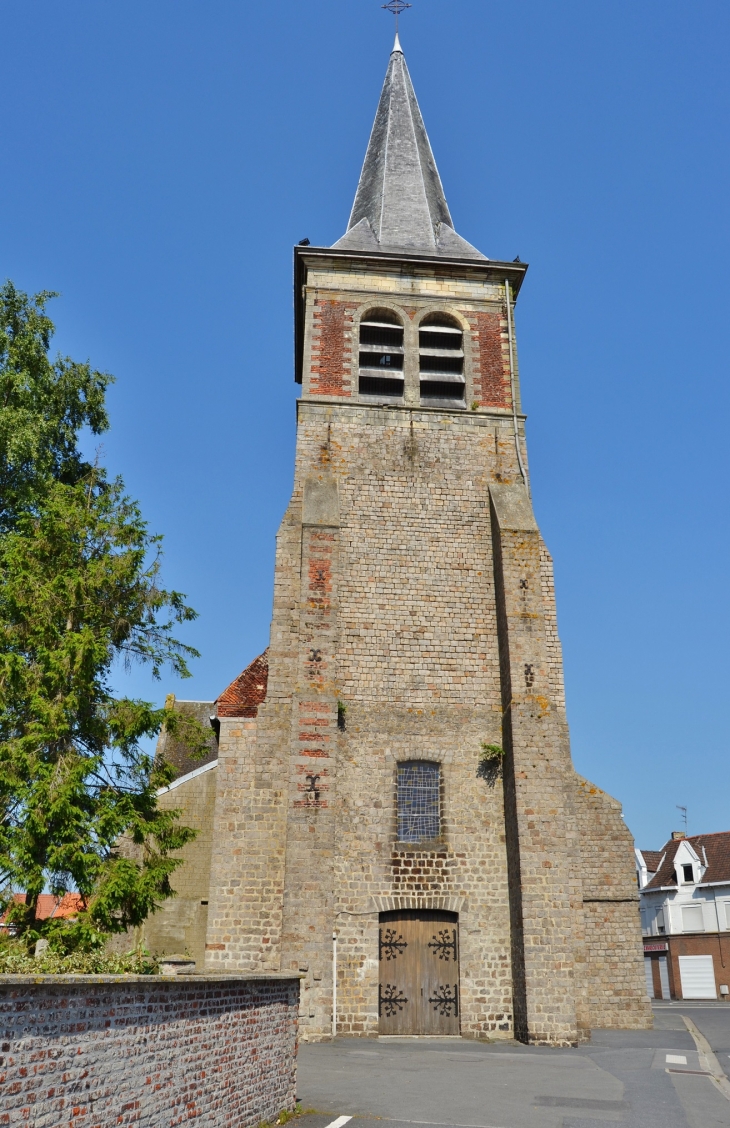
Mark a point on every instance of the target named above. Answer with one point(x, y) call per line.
point(161, 159)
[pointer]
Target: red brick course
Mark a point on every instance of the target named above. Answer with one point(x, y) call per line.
point(147, 1052)
point(330, 352)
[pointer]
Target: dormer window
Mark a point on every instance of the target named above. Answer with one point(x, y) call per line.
point(441, 360)
point(381, 355)
point(688, 874)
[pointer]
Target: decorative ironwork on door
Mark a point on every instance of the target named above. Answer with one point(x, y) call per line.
point(390, 1000)
point(444, 947)
point(444, 999)
point(392, 944)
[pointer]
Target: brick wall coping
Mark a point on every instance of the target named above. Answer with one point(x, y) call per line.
point(176, 980)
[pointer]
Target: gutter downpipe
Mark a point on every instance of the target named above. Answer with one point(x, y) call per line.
point(334, 986)
point(512, 383)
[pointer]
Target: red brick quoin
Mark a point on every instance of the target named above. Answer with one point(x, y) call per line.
point(330, 352)
point(492, 380)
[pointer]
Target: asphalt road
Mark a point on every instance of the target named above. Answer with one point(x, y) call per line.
point(643, 1079)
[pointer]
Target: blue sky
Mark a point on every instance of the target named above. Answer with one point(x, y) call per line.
point(159, 162)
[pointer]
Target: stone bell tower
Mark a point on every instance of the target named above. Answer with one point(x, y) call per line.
point(360, 834)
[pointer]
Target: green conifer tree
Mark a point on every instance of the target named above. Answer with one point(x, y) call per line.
point(79, 593)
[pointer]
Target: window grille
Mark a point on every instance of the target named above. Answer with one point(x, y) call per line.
point(419, 801)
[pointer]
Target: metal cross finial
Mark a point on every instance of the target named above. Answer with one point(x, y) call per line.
point(396, 7)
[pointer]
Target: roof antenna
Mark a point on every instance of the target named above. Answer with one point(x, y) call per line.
point(684, 816)
point(396, 7)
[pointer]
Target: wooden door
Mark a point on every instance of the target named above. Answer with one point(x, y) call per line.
point(419, 973)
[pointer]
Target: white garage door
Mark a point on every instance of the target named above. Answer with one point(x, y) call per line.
point(698, 977)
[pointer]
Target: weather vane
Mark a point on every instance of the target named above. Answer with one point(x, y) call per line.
point(396, 7)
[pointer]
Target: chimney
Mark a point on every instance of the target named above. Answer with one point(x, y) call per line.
point(678, 834)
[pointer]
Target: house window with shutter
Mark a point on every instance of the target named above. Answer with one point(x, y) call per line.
point(692, 919)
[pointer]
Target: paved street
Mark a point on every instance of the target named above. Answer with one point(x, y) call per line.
point(643, 1079)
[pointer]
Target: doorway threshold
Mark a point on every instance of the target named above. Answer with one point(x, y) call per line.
point(420, 1038)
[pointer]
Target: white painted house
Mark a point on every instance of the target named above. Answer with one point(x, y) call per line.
point(684, 893)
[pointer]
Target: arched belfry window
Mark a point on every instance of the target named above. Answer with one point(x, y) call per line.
point(419, 801)
point(381, 355)
point(441, 359)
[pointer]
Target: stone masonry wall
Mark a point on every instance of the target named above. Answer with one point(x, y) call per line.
point(613, 981)
point(552, 639)
point(250, 828)
point(415, 665)
point(91, 1051)
point(180, 923)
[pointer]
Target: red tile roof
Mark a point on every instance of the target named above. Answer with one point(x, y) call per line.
point(652, 859)
point(51, 906)
point(247, 692)
point(716, 847)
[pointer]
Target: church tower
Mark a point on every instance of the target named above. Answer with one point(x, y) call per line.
point(399, 819)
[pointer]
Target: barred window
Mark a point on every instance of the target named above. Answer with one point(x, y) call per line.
point(419, 801)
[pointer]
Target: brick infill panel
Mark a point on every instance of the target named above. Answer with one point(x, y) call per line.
point(492, 375)
point(331, 353)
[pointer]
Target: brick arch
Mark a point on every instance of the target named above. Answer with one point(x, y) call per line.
point(447, 310)
point(451, 904)
point(378, 302)
point(427, 756)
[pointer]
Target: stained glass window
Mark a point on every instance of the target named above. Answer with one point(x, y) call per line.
point(419, 801)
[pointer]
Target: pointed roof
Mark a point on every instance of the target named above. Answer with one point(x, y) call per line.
point(400, 202)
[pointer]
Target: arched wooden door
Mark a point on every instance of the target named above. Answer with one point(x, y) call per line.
point(419, 972)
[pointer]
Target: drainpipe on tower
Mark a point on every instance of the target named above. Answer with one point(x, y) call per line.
point(510, 336)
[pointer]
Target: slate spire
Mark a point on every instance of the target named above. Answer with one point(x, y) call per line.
point(400, 202)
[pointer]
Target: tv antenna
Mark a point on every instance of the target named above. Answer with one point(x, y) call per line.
point(396, 7)
point(684, 815)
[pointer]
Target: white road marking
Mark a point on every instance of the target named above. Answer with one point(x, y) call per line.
point(708, 1059)
point(676, 1059)
point(340, 1122)
point(435, 1124)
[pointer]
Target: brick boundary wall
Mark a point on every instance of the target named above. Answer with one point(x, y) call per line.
point(149, 1051)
